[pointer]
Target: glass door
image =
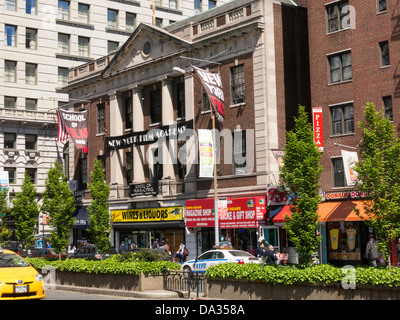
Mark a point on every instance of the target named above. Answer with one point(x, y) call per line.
point(271, 236)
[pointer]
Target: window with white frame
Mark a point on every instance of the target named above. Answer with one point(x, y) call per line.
point(30, 7)
point(30, 141)
point(237, 84)
point(10, 71)
point(101, 118)
point(173, 4)
point(10, 35)
point(62, 77)
point(11, 174)
point(30, 73)
point(384, 53)
point(197, 6)
point(10, 140)
point(83, 13)
point(212, 4)
point(63, 43)
point(63, 10)
point(31, 38)
point(112, 18)
point(239, 152)
point(111, 46)
point(382, 5)
point(387, 106)
point(130, 21)
point(342, 119)
point(340, 67)
point(83, 46)
point(11, 5)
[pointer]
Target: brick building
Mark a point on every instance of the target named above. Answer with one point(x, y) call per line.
point(261, 50)
point(353, 60)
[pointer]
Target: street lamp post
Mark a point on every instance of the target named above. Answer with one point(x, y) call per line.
point(216, 222)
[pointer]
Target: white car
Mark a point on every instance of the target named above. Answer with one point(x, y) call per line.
point(217, 256)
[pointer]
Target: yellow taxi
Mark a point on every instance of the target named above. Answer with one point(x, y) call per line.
point(18, 279)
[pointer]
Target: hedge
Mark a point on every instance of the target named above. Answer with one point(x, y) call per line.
point(289, 275)
point(110, 265)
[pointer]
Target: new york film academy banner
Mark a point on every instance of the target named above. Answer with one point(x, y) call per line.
point(213, 85)
point(245, 212)
point(73, 124)
point(148, 136)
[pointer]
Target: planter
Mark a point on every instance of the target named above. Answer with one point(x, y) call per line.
point(237, 289)
point(126, 282)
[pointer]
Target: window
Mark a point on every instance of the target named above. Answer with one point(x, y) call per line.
point(10, 102)
point(155, 106)
point(342, 119)
point(101, 118)
point(159, 22)
point(384, 53)
point(340, 67)
point(30, 38)
point(382, 5)
point(83, 46)
point(129, 167)
point(83, 13)
point(130, 21)
point(82, 181)
point(239, 152)
point(387, 105)
point(157, 172)
point(30, 73)
point(11, 175)
point(197, 6)
point(30, 141)
point(181, 163)
point(31, 104)
point(10, 33)
point(181, 99)
point(9, 140)
point(237, 84)
point(338, 172)
point(172, 4)
point(11, 5)
point(32, 173)
point(128, 113)
point(63, 10)
point(112, 18)
point(111, 46)
point(30, 7)
point(63, 43)
point(10, 71)
point(212, 4)
point(205, 100)
point(335, 16)
point(62, 77)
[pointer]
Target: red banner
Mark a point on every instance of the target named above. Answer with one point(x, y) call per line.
point(317, 124)
point(240, 213)
point(73, 124)
point(213, 85)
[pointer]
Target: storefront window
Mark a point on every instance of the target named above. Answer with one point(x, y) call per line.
point(344, 240)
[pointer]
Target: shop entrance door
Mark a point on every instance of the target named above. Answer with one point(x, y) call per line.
point(271, 236)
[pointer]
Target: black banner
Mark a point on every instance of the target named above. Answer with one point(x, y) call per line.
point(147, 137)
point(143, 189)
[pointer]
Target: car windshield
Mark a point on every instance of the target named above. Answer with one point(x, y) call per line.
point(238, 253)
point(11, 261)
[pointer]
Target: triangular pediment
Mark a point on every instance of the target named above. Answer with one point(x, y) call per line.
point(146, 45)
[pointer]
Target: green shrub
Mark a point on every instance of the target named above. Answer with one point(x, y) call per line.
point(110, 265)
point(288, 275)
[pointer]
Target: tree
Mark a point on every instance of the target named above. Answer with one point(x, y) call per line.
point(379, 176)
point(58, 203)
point(25, 211)
point(4, 210)
point(300, 175)
point(99, 228)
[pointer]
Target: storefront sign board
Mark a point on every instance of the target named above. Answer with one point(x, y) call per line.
point(147, 215)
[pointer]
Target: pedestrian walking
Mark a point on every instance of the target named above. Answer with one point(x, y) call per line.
point(180, 253)
point(271, 257)
point(371, 251)
point(71, 248)
point(122, 248)
point(261, 252)
point(285, 257)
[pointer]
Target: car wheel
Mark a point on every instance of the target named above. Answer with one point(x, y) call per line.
point(187, 272)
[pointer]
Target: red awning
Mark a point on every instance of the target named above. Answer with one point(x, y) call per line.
point(280, 217)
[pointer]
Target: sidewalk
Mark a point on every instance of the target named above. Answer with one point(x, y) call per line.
point(152, 294)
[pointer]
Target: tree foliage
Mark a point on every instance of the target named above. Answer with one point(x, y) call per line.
point(4, 212)
point(99, 228)
point(301, 174)
point(25, 211)
point(58, 203)
point(379, 176)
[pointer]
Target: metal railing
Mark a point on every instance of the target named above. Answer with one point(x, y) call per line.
point(185, 283)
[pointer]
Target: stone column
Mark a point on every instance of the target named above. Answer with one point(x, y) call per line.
point(116, 156)
point(138, 125)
